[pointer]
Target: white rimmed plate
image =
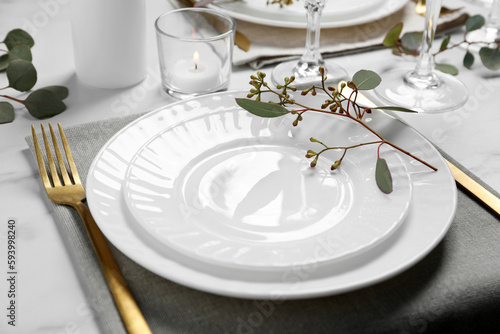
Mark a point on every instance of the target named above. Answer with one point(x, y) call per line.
point(432, 209)
point(336, 14)
point(232, 189)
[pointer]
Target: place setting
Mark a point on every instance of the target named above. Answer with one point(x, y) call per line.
point(303, 188)
point(200, 184)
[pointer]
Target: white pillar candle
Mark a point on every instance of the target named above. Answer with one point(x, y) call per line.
point(109, 42)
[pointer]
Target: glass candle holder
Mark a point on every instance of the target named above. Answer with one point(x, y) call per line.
point(195, 47)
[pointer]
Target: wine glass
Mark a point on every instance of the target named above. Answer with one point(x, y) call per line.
point(306, 69)
point(422, 88)
point(489, 33)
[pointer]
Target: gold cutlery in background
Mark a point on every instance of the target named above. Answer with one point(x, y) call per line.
point(420, 9)
point(66, 189)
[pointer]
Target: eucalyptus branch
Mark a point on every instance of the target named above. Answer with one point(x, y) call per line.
point(409, 43)
point(337, 104)
point(22, 76)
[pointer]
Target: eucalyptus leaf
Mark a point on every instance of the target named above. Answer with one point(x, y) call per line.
point(383, 176)
point(474, 22)
point(60, 91)
point(43, 103)
point(490, 58)
point(412, 40)
point(4, 62)
point(262, 109)
point(445, 43)
point(392, 36)
point(365, 79)
point(447, 68)
point(396, 109)
point(17, 37)
point(21, 74)
point(22, 51)
point(7, 114)
point(468, 60)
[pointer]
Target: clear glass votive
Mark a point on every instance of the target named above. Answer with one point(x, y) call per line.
point(195, 47)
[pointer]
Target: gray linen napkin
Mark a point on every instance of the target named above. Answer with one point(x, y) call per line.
point(455, 289)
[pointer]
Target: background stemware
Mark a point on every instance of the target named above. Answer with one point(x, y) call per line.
point(489, 33)
point(422, 88)
point(306, 69)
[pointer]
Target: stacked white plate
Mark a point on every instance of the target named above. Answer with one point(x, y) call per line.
point(207, 195)
point(336, 14)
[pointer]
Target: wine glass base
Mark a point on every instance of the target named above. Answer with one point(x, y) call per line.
point(448, 95)
point(310, 77)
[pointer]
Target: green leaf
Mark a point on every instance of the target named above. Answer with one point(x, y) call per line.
point(60, 91)
point(447, 68)
point(490, 58)
point(43, 103)
point(7, 114)
point(474, 22)
point(412, 40)
point(365, 79)
point(445, 43)
point(392, 36)
point(4, 62)
point(396, 109)
point(383, 176)
point(262, 109)
point(17, 37)
point(468, 60)
point(21, 74)
point(21, 51)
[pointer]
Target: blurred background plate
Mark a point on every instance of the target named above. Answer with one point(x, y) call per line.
point(336, 14)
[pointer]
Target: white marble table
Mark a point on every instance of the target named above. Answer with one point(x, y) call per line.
point(51, 298)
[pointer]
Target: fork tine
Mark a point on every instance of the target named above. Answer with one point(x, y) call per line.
point(50, 160)
point(39, 159)
point(60, 160)
point(71, 162)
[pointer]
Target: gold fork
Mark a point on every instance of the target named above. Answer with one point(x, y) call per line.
point(70, 191)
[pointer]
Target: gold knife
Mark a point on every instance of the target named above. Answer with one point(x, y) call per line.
point(461, 178)
point(420, 9)
point(239, 39)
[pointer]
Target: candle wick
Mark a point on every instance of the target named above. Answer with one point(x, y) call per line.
point(195, 66)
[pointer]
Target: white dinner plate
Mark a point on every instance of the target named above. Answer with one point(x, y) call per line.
point(336, 14)
point(226, 188)
point(431, 211)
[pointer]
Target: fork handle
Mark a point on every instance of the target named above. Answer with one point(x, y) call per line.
point(129, 310)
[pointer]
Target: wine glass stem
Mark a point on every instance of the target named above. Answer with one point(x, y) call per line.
point(312, 56)
point(423, 76)
point(493, 16)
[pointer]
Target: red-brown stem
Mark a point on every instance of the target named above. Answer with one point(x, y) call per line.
point(359, 121)
point(12, 98)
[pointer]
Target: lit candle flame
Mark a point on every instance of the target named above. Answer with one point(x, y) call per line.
point(196, 59)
